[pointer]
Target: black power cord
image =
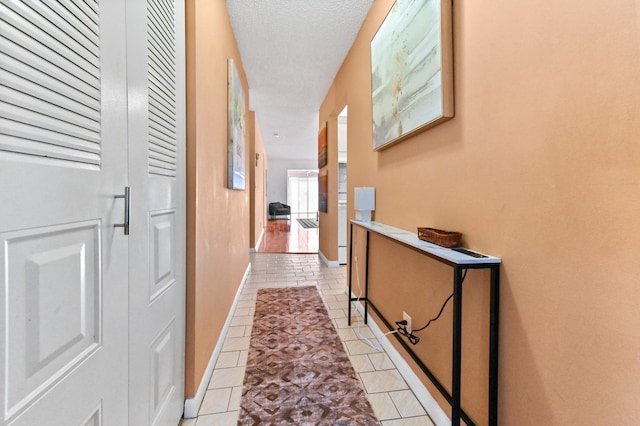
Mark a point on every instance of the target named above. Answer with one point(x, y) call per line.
point(402, 329)
point(438, 316)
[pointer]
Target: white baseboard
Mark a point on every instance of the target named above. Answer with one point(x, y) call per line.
point(192, 405)
point(329, 263)
point(437, 414)
point(255, 249)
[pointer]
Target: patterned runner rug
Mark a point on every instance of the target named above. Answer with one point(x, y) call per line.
point(297, 370)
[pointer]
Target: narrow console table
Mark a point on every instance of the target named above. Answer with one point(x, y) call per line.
point(460, 262)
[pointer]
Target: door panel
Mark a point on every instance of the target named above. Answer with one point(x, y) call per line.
point(51, 95)
point(157, 242)
point(94, 418)
point(53, 287)
point(162, 87)
point(162, 252)
point(63, 266)
point(165, 354)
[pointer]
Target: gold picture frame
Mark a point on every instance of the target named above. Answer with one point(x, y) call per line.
point(411, 71)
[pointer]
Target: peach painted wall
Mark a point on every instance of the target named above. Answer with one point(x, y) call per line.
point(258, 167)
point(540, 166)
point(217, 217)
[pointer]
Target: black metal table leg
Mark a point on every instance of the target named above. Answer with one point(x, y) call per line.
point(366, 282)
point(350, 270)
point(493, 345)
point(457, 346)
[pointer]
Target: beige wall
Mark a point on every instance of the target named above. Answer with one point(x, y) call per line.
point(540, 166)
point(258, 181)
point(217, 218)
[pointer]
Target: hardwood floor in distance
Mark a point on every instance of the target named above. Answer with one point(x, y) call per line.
point(288, 236)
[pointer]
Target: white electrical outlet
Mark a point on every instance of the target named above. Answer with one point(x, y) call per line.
point(407, 318)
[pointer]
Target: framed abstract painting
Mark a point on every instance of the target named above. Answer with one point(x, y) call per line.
point(411, 70)
point(322, 147)
point(323, 192)
point(235, 129)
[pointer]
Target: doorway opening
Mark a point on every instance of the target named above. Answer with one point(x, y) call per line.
point(299, 233)
point(342, 187)
point(302, 193)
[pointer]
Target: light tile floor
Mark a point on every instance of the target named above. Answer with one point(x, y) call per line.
point(392, 400)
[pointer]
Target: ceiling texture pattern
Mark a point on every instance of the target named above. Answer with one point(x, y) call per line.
point(291, 51)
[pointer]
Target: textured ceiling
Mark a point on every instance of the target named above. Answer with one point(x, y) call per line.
point(291, 51)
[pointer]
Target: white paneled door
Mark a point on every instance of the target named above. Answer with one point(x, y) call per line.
point(155, 62)
point(92, 320)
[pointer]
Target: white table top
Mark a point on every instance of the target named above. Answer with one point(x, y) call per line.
point(411, 239)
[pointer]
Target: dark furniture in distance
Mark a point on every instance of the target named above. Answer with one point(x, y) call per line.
point(279, 209)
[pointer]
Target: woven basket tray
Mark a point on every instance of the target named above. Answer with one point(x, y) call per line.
point(438, 236)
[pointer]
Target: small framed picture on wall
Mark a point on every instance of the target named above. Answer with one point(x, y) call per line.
point(323, 192)
point(322, 147)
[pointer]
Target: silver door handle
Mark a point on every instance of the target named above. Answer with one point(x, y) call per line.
point(127, 208)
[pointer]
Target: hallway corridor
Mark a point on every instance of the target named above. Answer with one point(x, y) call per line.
point(393, 402)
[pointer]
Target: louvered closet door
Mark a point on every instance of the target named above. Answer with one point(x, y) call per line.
point(155, 33)
point(63, 266)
